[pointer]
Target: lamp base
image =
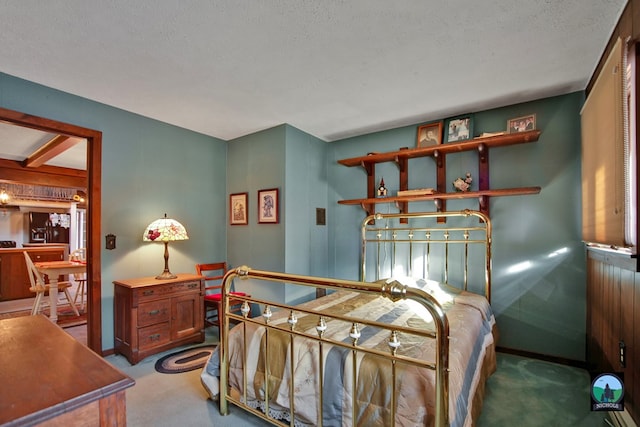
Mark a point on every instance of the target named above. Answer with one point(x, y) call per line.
point(166, 275)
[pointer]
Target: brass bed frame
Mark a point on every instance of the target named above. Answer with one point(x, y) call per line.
point(390, 242)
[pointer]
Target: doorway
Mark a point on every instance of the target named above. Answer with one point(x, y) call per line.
point(13, 170)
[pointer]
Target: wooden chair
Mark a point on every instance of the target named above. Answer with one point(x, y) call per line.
point(79, 278)
point(213, 274)
point(40, 288)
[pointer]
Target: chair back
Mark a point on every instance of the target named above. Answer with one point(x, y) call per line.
point(213, 274)
point(36, 279)
point(79, 254)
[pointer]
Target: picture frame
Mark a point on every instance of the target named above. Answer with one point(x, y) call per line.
point(429, 135)
point(521, 124)
point(268, 206)
point(238, 209)
point(459, 128)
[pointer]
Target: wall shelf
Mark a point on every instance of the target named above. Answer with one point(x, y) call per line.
point(439, 152)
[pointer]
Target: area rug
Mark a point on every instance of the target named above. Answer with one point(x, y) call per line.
point(185, 360)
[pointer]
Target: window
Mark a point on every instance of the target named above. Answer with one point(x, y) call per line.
point(608, 155)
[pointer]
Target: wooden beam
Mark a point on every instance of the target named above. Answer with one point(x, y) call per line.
point(57, 145)
point(14, 171)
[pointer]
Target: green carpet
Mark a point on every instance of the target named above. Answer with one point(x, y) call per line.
point(527, 392)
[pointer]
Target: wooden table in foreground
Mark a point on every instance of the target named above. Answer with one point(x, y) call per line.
point(47, 378)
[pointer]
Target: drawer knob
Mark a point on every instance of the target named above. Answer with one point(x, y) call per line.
point(193, 285)
point(147, 293)
point(154, 337)
point(154, 312)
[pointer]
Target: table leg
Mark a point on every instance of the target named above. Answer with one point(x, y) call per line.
point(53, 299)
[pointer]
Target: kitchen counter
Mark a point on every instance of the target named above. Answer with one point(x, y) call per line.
point(14, 279)
point(35, 247)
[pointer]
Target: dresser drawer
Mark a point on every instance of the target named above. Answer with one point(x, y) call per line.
point(150, 293)
point(153, 312)
point(154, 335)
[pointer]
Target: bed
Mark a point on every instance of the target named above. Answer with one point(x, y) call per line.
point(411, 343)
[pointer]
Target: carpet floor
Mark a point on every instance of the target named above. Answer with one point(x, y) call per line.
point(531, 393)
point(522, 392)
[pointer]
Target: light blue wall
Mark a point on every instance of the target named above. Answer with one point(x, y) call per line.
point(148, 168)
point(306, 189)
point(293, 161)
point(257, 162)
point(538, 258)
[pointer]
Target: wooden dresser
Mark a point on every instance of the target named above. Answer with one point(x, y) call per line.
point(49, 378)
point(154, 315)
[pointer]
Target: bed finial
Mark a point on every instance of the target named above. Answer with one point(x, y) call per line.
point(243, 271)
point(354, 333)
point(394, 342)
point(394, 290)
point(321, 326)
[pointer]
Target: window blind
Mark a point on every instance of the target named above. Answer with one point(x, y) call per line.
point(603, 159)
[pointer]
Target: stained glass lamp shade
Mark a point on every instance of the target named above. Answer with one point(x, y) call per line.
point(165, 230)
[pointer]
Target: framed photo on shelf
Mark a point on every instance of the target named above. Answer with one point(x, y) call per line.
point(268, 206)
point(459, 128)
point(429, 135)
point(522, 124)
point(238, 209)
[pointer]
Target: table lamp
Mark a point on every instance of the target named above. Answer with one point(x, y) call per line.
point(165, 230)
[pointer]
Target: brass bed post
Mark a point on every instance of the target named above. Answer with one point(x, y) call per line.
point(466, 259)
point(320, 328)
point(410, 235)
point(487, 259)
point(446, 256)
point(354, 334)
point(427, 236)
point(292, 320)
point(378, 263)
point(394, 236)
point(266, 314)
point(224, 374)
point(363, 247)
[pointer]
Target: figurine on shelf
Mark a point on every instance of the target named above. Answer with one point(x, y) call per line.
point(382, 190)
point(463, 184)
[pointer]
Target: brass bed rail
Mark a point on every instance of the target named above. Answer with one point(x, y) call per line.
point(392, 290)
point(419, 241)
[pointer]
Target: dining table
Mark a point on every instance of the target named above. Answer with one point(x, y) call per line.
point(54, 269)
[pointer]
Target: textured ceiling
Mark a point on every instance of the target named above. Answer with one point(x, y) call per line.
point(331, 68)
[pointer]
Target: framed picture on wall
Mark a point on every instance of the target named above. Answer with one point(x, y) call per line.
point(459, 128)
point(238, 209)
point(429, 135)
point(268, 206)
point(522, 124)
